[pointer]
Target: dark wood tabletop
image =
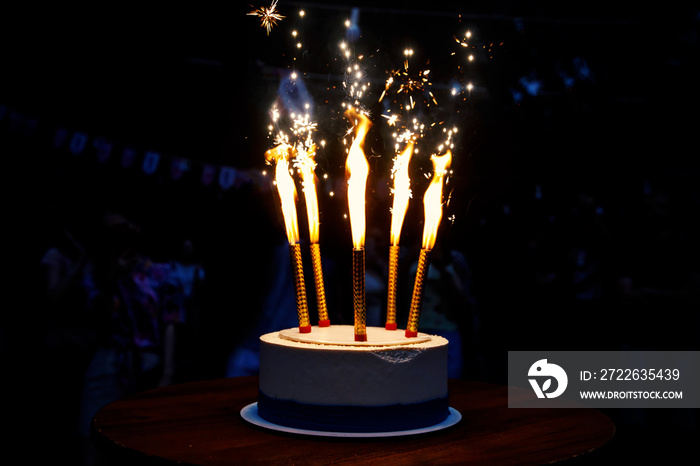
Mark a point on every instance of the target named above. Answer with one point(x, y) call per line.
point(200, 423)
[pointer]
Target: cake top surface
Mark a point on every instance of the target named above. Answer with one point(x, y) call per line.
point(342, 337)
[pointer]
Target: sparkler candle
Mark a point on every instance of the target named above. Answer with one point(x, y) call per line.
point(432, 205)
point(402, 194)
point(357, 170)
point(306, 163)
point(287, 191)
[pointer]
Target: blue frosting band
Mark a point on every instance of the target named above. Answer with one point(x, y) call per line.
point(353, 418)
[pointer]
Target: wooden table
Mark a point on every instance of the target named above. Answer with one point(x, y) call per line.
point(199, 423)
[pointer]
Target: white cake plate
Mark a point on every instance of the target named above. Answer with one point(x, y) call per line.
point(250, 414)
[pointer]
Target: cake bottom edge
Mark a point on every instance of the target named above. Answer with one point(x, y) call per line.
point(353, 419)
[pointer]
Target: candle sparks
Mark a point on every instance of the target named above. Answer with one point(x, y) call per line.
point(405, 81)
point(268, 16)
point(413, 126)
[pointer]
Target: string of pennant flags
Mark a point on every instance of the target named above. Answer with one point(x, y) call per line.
point(130, 156)
point(149, 161)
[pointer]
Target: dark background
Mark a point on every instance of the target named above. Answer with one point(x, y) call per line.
point(612, 153)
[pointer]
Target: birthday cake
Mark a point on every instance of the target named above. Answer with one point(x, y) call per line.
point(326, 381)
point(353, 378)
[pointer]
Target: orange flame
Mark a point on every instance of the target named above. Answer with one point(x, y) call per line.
point(286, 188)
point(357, 170)
point(402, 192)
point(307, 165)
point(432, 200)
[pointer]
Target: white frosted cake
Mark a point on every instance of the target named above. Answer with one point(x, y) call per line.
point(324, 380)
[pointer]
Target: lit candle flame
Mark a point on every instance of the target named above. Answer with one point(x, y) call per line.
point(306, 163)
point(357, 169)
point(285, 186)
point(402, 192)
point(280, 155)
point(432, 203)
point(432, 199)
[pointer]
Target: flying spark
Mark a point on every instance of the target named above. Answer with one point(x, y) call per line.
point(268, 16)
point(409, 82)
